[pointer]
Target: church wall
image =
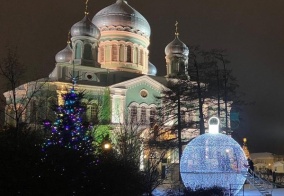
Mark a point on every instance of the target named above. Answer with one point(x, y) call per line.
point(134, 94)
point(130, 54)
point(140, 99)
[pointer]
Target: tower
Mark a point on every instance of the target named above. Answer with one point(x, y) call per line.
point(85, 38)
point(177, 57)
point(125, 37)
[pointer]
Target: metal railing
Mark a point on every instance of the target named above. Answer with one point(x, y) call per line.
point(263, 186)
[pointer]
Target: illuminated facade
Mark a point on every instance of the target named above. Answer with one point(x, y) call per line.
point(110, 51)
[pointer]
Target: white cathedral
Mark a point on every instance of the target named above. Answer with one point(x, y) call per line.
point(109, 52)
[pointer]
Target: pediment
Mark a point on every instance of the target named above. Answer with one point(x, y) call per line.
point(139, 80)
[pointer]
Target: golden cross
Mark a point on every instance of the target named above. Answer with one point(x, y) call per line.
point(176, 33)
point(86, 8)
point(68, 39)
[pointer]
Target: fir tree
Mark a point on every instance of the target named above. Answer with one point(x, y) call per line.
point(68, 130)
point(105, 109)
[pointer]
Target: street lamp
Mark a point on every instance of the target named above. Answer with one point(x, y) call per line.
point(107, 145)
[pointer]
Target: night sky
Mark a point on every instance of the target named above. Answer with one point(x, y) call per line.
point(252, 31)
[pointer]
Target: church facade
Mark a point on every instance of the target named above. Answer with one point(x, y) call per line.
point(110, 51)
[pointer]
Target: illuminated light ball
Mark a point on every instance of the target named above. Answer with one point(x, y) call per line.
point(213, 160)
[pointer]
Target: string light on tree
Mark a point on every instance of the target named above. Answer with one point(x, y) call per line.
point(67, 130)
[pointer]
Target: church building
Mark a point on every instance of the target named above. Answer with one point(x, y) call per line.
point(110, 52)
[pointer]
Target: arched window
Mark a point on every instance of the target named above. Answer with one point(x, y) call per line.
point(102, 54)
point(143, 115)
point(114, 53)
point(92, 113)
point(88, 52)
point(78, 51)
point(141, 56)
point(133, 114)
point(129, 54)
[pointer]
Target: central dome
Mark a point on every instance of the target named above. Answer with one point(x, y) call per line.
point(122, 15)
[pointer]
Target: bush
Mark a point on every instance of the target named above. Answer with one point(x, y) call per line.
point(211, 191)
point(20, 154)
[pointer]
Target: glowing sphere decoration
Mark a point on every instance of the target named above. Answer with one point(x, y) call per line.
point(213, 159)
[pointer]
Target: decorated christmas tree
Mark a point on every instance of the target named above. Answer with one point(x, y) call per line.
point(68, 130)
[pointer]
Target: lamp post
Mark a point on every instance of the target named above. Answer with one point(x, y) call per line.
point(107, 146)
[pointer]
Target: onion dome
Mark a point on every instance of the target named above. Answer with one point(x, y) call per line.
point(64, 55)
point(85, 28)
point(122, 15)
point(176, 47)
point(152, 70)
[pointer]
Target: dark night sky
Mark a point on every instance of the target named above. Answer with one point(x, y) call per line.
point(252, 31)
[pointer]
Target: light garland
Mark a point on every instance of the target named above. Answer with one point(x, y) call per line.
point(213, 160)
point(68, 130)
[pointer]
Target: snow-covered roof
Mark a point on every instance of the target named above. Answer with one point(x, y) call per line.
point(278, 163)
point(261, 155)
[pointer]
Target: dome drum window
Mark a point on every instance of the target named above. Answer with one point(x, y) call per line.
point(88, 52)
point(114, 53)
point(102, 54)
point(128, 54)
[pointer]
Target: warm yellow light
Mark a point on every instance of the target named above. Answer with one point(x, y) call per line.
point(107, 146)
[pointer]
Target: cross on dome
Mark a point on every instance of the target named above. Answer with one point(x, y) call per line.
point(176, 33)
point(86, 8)
point(68, 38)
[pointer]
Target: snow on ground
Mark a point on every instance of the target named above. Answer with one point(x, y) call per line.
point(248, 191)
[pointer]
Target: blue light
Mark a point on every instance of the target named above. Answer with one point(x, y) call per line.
point(213, 160)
